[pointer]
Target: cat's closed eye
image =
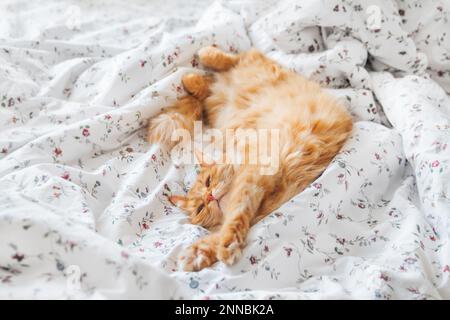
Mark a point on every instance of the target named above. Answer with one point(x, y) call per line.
point(200, 208)
point(208, 181)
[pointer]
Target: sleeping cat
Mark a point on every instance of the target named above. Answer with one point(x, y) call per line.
point(248, 90)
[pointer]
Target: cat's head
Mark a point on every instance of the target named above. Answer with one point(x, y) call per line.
point(203, 201)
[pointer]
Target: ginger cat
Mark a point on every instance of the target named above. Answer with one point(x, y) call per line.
point(249, 90)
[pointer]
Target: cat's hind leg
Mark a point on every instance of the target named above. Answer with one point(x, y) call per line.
point(216, 59)
point(181, 116)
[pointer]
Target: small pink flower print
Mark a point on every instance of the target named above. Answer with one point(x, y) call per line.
point(86, 132)
point(432, 238)
point(124, 254)
point(66, 176)
point(157, 244)
point(19, 257)
point(108, 117)
point(145, 225)
point(413, 290)
point(253, 260)
point(4, 150)
point(446, 268)
point(57, 152)
point(153, 157)
point(179, 89)
point(317, 185)
point(384, 277)
point(435, 163)
point(266, 249)
point(288, 251)
point(377, 156)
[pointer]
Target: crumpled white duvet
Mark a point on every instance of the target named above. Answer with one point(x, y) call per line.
point(83, 208)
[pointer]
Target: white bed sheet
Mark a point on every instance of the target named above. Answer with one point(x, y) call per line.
point(83, 212)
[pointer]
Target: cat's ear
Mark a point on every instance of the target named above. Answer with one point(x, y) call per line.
point(203, 159)
point(178, 201)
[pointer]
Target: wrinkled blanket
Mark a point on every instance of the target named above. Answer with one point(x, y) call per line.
point(83, 206)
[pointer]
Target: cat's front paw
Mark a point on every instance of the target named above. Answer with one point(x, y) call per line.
point(198, 256)
point(229, 249)
point(196, 85)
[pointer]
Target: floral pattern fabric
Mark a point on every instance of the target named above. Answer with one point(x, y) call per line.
point(83, 202)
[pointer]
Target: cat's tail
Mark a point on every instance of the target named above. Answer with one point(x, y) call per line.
point(174, 123)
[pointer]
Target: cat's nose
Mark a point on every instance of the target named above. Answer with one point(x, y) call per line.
point(210, 197)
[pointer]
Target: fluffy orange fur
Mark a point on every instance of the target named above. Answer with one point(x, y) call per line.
point(249, 90)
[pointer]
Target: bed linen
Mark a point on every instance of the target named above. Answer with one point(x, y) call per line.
point(83, 197)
